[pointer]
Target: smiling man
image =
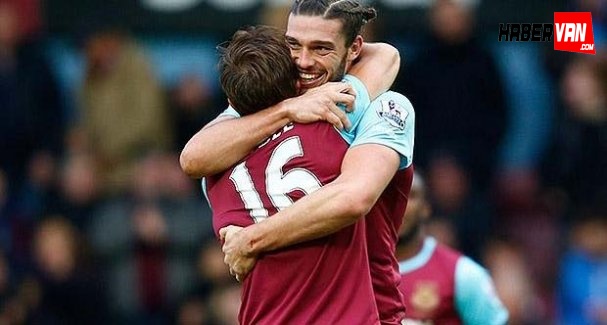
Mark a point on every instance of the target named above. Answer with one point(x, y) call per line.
point(325, 41)
point(324, 281)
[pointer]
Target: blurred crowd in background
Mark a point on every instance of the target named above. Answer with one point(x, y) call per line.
point(99, 225)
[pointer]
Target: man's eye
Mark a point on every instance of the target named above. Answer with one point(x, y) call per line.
point(323, 50)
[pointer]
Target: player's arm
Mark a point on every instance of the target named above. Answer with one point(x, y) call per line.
point(218, 146)
point(377, 67)
point(367, 168)
point(226, 140)
point(366, 171)
point(475, 298)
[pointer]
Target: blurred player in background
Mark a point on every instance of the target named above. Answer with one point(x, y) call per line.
point(440, 285)
point(324, 281)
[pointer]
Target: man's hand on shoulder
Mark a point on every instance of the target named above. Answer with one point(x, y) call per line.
point(320, 104)
point(236, 255)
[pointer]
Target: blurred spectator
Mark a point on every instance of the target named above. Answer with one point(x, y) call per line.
point(212, 275)
point(4, 278)
point(457, 92)
point(14, 310)
point(578, 159)
point(192, 311)
point(5, 227)
point(147, 241)
point(598, 8)
point(513, 283)
point(28, 207)
point(124, 110)
point(70, 292)
point(212, 272)
point(455, 200)
point(78, 193)
point(225, 304)
point(583, 272)
point(193, 106)
point(275, 13)
point(28, 14)
point(31, 116)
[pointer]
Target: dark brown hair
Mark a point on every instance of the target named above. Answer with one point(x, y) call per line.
point(256, 69)
point(352, 14)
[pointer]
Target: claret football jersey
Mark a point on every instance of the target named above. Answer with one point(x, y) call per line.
point(441, 286)
point(323, 281)
point(389, 121)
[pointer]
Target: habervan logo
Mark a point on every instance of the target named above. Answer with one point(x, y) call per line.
point(574, 32)
point(571, 32)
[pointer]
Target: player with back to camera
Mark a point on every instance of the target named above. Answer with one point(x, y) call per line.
point(323, 281)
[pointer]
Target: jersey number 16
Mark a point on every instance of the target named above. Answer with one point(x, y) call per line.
point(278, 183)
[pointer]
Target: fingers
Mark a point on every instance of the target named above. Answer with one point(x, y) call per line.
point(340, 87)
point(335, 104)
point(341, 92)
point(227, 231)
point(237, 276)
point(346, 100)
point(222, 233)
point(334, 119)
point(337, 117)
point(325, 103)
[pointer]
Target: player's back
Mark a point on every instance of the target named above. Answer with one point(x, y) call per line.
point(324, 281)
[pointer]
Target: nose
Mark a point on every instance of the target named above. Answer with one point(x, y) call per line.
point(303, 59)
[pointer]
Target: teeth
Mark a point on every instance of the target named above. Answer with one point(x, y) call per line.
point(307, 76)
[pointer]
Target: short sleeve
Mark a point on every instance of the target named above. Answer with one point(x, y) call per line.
point(361, 104)
point(389, 121)
point(475, 298)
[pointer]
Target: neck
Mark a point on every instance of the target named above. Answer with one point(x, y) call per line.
point(407, 249)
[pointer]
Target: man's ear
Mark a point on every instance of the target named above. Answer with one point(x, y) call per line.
point(355, 48)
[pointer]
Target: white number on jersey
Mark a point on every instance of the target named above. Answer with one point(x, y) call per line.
point(278, 183)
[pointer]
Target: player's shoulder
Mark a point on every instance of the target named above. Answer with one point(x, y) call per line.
point(400, 101)
point(395, 108)
point(311, 131)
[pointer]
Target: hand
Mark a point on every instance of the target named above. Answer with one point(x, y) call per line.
point(236, 256)
point(320, 104)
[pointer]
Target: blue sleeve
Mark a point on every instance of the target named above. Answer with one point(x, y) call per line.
point(361, 105)
point(475, 298)
point(388, 121)
point(230, 111)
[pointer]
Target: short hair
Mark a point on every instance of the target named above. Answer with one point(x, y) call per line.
point(352, 14)
point(256, 69)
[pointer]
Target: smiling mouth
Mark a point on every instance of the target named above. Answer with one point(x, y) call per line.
point(310, 79)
